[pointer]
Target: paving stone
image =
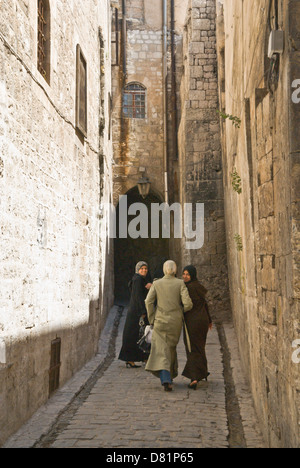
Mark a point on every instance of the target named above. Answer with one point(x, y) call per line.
point(127, 408)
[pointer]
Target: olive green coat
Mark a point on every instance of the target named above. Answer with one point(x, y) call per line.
point(172, 298)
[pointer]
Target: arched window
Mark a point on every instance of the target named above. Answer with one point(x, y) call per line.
point(134, 101)
point(43, 54)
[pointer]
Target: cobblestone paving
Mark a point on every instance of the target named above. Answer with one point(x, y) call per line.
point(127, 408)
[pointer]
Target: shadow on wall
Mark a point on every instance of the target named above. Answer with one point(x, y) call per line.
point(38, 365)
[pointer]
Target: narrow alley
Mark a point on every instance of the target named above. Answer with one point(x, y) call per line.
point(108, 406)
point(138, 130)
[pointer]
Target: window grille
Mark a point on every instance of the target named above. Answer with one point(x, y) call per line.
point(134, 101)
point(54, 365)
point(44, 39)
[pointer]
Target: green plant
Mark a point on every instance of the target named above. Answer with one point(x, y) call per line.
point(236, 121)
point(239, 242)
point(236, 181)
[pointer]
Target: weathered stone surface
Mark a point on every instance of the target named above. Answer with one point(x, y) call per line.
point(77, 415)
point(200, 152)
point(56, 261)
point(264, 150)
point(52, 248)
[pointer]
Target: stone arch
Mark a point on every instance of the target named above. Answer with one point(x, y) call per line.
point(127, 252)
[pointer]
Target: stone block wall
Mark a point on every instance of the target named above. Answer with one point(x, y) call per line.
point(200, 156)
point(139, 142)
point(263, 152)
point(53, 244)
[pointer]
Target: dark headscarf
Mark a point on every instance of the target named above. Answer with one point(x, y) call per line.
point(159, 271)
point(192, 272)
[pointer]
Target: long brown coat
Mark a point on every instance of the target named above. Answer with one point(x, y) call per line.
point(197, 322)
point(173, 300)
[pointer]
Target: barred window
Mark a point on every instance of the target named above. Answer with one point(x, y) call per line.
point(43, 51)
point(134, 101)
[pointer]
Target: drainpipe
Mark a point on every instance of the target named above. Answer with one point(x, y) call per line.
point(165, 104)
point(174, 95)
point(124, 38)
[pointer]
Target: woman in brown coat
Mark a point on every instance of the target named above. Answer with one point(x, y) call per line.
point(198, 322)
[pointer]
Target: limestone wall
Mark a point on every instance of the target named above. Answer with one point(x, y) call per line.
point(261, 183)
point(200, 159)
point(52, 181)
point(139, 142)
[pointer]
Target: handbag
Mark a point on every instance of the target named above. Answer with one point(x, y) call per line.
point(142, 326)
point(148, 333)
point(144, 343)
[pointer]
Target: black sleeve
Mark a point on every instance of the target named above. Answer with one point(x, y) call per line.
point(139, 293)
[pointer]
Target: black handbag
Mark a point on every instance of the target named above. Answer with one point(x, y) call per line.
point(143, 345)
point(142, 326)
point(144, 342)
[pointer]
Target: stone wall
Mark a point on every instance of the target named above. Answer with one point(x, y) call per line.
point(139, 143)
point(53, 245)
point(200, 158)
point(261, 183)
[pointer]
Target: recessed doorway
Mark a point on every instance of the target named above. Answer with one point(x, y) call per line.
point(128, 252)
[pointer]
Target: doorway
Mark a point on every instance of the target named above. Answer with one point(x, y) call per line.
point(128, 252)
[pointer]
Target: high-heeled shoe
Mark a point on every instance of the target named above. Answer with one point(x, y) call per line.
point(167, 387)
point(131, 365)
point(193, 385)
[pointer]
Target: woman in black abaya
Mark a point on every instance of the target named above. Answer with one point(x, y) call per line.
point(139, 285)
point(198, 322)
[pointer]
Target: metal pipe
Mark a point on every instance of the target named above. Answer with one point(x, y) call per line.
point(165, 104)
point(117, 34)
point(124, 38)
point(173, 94)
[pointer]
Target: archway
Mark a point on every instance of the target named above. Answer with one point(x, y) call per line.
point(128, 252)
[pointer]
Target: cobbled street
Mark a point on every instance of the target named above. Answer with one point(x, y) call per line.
point(106, 405)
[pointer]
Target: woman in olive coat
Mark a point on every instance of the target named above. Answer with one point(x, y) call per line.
point(139, 285)
point(172, 299)
point(198, 322)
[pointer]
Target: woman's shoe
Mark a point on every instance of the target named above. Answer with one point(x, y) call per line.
point(131, 365)
point(193, 385)
point(167, 387)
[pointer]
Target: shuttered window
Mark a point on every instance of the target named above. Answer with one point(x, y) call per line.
point(81, 92)
point(43, 48)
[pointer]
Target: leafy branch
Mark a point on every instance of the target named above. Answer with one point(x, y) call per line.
point(239, 242)
point(236, 182)
point(236, 121)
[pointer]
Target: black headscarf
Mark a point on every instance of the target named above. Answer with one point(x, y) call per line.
point(159, 270)
point(192, 272)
